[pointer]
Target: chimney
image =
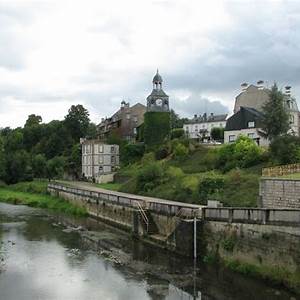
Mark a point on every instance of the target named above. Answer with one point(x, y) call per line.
point(244, 86)
point(204, 116)
point(260, 84)
point(288, 90)
point(195, 116)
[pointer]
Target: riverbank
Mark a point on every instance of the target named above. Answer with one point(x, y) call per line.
point(35, 194)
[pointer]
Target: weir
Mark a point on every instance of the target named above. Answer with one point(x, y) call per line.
point(268, 239)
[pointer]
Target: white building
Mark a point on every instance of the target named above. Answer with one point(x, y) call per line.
point(200, 126)
point(99, 160)
point(246, 121)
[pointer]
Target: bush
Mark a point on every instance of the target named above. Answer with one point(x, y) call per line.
point(149, 177)
point(132, 153)
point(180, 151)
point(162, 152)
point(177, 133)
point(243, 153)
point(285, 149)
point(210, 186)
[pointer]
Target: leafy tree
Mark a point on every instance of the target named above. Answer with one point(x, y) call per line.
point(177, 133)
point(39, 163)
point(33, 120)
point(77, 121)
point(217, 133)
point(285, 149)
point(276, 118)
point(2, 159)
point(55, 167)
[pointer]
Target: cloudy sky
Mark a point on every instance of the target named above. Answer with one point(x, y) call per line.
point(55, 53)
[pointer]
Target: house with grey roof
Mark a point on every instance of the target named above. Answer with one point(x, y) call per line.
point(246, 121)
point(200, 126)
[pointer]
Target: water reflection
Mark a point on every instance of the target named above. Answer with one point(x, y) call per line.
point(45, 261)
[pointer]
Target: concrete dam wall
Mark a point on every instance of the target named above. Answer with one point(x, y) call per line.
point(264, 238)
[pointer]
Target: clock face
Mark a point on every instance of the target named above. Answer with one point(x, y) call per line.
point(159, 102)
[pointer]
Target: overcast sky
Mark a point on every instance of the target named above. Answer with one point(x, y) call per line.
point(57, 53)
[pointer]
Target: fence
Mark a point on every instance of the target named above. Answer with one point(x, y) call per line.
point(281, 170)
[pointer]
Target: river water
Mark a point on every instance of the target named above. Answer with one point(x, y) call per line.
point(43, 256)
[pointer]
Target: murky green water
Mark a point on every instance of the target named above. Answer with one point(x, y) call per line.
point(43, 258)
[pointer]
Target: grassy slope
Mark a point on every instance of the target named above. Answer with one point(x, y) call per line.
point(241, 186)
point(35, 194)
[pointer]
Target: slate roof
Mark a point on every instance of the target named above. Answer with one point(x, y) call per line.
point(158, 93)
point(240, 119)
point(208, 119)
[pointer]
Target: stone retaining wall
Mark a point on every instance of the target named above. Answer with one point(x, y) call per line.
point(281, 170)
point(279, 193)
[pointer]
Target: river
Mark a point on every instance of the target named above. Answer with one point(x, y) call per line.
point(43, 256)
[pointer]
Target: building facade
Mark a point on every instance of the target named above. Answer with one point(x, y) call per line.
point(124, 122)
point(247, 122)
point(200, 126)
point(255, 96)
point(98, 159)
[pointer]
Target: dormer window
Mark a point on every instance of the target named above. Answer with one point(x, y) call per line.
point(251, 124)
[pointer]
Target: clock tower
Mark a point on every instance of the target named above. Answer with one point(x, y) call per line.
point(158, 100)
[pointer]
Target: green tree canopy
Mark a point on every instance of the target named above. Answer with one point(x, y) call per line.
point(276, 118)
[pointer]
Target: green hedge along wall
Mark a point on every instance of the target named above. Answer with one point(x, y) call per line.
point(157, 128)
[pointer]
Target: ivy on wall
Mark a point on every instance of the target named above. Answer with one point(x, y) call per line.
point(156, 128)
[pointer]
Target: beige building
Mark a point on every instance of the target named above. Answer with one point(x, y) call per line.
point(255, 96)
point(99, 160)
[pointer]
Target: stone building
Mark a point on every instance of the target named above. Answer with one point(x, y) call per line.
point(124, 122)
point(200, 126)
point(99, 160)
point(255, 96)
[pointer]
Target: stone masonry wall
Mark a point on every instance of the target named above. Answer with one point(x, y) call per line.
point(279, 193)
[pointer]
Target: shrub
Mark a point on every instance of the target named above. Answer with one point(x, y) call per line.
point(243, 153)
point(285, 149)
point(180, 151)
point(211, 185)
point(217, 133)
point(132, 153)
point(162, 152)
point(177, 133)
point(149, 177)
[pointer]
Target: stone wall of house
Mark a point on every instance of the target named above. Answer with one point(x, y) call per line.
point(279, 193)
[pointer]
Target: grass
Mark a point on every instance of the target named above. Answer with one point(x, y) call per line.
point(34, 194)
point(109, 186)
point(275, 275)
point(295, 176)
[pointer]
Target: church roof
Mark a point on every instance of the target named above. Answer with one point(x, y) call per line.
point(157, 78)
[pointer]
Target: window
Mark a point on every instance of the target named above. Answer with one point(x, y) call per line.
point(112, 149)
point(135, 119)
point(128, 116)
point(221, 124)
point(100, 169)
point(251, 124)
point(100, 159)
point(112, 159)
point(251, 135)
point(292, 119)
point(100, 148)
point(231, 138)
point(134, 131)
point(187, 129)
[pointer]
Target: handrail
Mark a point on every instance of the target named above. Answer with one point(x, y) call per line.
point(143, 214)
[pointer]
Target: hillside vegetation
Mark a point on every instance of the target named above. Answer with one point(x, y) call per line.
point(183, 171)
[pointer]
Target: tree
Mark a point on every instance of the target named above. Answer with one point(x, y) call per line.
point(285, 149)
point(33, 120)
point(276, 118)
point(217, 133)
point(55, 167)
point(176, 121)
point(39, 165)
point(77, 121)
point(2, 159)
